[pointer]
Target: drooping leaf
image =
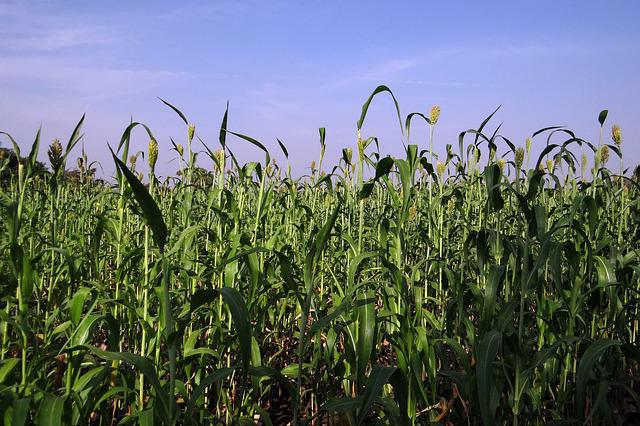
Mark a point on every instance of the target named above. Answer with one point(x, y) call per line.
point(150, 210)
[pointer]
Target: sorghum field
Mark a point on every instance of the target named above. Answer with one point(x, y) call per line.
point(485, 285)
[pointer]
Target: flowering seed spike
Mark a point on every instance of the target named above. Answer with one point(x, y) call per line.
point(616, 135)
point(55, 154)
point(191, 131)
point(153, 154)
point(434, 114)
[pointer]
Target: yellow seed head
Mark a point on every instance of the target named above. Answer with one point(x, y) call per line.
point(361, 145)
point(20, 171)
point(550, 166)
point(412, 212)
point(492, 153)
point(349, 153)
point(584, 162)
point(616, 135)
point(501, 163)
point(180, 149)
point(313, 166)
point(434, 114)
point(605, 154)
point(220, 158)
point(527, 143)
point(191, 130)
point(519, 157)
point(132, 160)
point(153, 153)
point(440, 168)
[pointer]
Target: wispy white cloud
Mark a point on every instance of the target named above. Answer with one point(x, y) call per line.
point(58, 38)
point(60, 77)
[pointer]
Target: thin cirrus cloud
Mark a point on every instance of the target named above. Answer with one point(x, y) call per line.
point(60, 38)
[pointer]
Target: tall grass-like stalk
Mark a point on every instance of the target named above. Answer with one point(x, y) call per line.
point(488, 285)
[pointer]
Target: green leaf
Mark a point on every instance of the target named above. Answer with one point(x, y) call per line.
point(606, 272)
point(51, 410)
point(240, 315)
point(325, 231)
point(20, 411)
point(366, 190)
point(484, 123)
point(486, 352)
point(602, 117)
point(33, 154)
point(377, 379)
point(490, 295)
point(407, 122)
point(365, 106)
point(264, 371)
point(588, 360)
point(146, 367)
point(366, 332)
point(254, 142)
point(383, 167)
point(77, 304)
point(146, 417)
point(493, 178)
point(16, 147)
point(177, 111)
point(341, 405)
point(212, 378)
point(223, 127)
point(6, 367)
point(283, 148)
point(74, 139)
point(150, 210)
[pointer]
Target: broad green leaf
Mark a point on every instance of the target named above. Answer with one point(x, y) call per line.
point(6, 367)
point(366, 331)
point(378, 377)
point(241, 320)
point(486, 351)
point(588, 360)
point(20, 411)
point(52, 408)
point(212, 378)
point(146, 367)
point(150, 210)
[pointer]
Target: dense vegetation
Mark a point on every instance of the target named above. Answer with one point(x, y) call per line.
point(483, 286)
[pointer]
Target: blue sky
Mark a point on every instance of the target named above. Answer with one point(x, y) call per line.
point(288, 68)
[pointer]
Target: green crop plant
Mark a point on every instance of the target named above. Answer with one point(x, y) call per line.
point(479, 284)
